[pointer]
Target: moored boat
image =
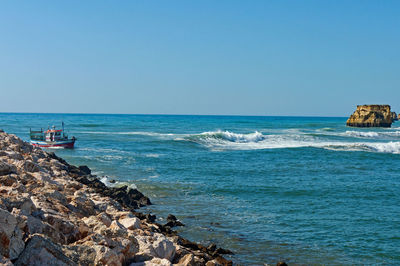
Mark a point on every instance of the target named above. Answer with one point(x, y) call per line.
point(52, 138)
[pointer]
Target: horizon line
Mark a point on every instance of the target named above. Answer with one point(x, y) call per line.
point(175, 114)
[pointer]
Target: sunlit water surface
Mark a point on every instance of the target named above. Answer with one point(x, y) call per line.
point(303, 190)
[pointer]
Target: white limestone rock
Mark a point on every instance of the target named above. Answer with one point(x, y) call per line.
point(130, 223)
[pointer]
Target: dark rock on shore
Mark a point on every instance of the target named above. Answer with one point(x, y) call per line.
point(85, 169)
point(173, 222)
point(371, 116)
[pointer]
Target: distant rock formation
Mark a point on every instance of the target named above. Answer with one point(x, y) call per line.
point(394, 116)
point(371, 116)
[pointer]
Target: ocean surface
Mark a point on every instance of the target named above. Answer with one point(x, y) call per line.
point(307, 190)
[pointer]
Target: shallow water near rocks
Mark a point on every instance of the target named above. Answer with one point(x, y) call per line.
point(304, 190)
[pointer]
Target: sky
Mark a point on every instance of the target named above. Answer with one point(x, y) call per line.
point(302, 58)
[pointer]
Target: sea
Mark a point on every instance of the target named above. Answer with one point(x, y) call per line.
point(305, 190)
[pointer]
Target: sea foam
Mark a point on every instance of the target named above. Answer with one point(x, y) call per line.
point(362, 134)
point(226, 140)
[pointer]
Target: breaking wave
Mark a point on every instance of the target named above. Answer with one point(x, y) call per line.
point(372, 134)
point(225, 140)
point(362, 134)
point(229, 136)
point(288, 138)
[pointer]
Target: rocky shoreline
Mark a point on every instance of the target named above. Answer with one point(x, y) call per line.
point(54, 213)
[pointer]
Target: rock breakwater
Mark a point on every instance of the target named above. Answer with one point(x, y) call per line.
point(54, 213)
point(371, 116)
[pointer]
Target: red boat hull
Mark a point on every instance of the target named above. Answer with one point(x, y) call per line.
point(63, 144)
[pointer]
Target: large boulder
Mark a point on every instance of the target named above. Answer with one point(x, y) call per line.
point(371, 116)
point(153, 262)
point(5, 168)
point(157, 246)
point(130, 223)
point(41, 251)
point(11, 243)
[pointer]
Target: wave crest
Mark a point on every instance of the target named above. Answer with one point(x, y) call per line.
point(225, 140)
point(362, 134)
point(230, 136)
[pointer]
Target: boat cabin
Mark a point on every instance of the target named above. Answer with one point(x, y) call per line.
point(50, 135)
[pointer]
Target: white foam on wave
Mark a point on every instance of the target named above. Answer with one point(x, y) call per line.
point(287, 138)
point(362, 134)
point(388, 147)
point(106, 180)
point(372, 134)
point(55, 148)
point(152, 155)
point(225, 140)
point(234, 137)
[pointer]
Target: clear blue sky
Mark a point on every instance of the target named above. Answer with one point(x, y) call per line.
point(199, 57)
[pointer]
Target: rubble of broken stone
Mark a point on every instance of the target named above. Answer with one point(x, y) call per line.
point(54, 213)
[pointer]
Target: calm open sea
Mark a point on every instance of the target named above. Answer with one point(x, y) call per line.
point(307, 190)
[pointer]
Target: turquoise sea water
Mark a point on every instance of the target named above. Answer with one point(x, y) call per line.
point(301, 189)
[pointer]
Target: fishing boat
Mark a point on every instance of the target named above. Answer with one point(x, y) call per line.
point(52, 138)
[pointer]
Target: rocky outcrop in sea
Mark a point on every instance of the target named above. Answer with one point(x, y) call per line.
point(394, 116)
point(54, 213)
point(371, 116)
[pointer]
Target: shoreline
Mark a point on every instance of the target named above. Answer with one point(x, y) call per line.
point(55, 212)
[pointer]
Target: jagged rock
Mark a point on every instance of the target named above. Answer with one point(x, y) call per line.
point(5, 261)
point(117, 229)
point(128, 247)
point(394, 116)
point(27, 166)
point(213, 263)
point(22, 202)
point(130, 223)
point(41, 251)
point(84, 169)
point(187, 260)
point(153, 262)
point(95, 223)
point(106, 256)
point(5, 168)
point(8, 180)
point(172, 221)
point(80, 254)
point(157, 246)
point(104, 218)
point(11, 243)
point(55, 194)
point(83, 205)
point(371, 116)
